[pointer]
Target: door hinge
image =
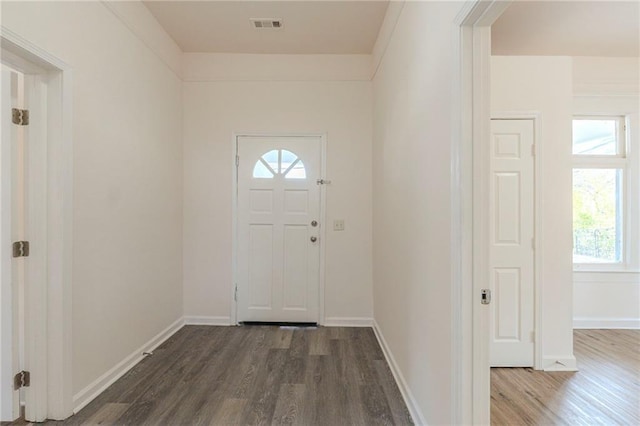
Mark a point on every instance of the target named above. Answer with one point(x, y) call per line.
point(485, 296)
point(20, 116)
point(237, 160)
point(21, 249)
point(235, 294)
point(22, 380)
point(323, 182)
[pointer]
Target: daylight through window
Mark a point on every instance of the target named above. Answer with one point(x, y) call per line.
point(598, 184)
point(279, 162)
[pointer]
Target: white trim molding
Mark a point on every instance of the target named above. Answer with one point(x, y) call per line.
point(409, 400)
point(348, 322)
point(560, 363)
point(89, 393)
point(50, 344)
point(471, 52)
point(207, 320)
point(606, 323)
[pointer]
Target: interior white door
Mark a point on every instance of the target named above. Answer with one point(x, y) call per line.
point(278, 228)
point(511, 233)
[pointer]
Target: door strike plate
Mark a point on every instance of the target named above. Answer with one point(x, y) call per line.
point(485, 297)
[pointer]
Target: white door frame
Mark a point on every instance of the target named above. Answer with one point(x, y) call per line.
point(536, 117)
point(471, 120)
point(50, 187)
point(321, 231)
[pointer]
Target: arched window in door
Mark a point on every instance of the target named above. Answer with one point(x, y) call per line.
point(279, 162)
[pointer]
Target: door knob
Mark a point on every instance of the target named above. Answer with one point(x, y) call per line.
point(314, 223)
point(314, 239)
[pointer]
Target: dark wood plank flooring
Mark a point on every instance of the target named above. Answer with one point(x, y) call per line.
point(254, 375)
point(606, 390)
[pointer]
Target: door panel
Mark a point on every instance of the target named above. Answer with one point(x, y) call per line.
point(507, 224)
point(278, 248)
point(295, 267)
point(507, 291)
point(260, 265)
point(511, 252)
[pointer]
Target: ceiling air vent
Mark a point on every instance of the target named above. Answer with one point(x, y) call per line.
point(263, 23)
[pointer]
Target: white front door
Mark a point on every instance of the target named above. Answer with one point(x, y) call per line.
point(511, 201)
point(278, 228)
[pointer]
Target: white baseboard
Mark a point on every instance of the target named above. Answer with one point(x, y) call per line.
point(348, 322)
point(195, 320)
point(89, 393)
point(562, 363)
point(606, 323)
point(409, 400)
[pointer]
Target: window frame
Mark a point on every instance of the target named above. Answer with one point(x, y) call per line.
point(625, 160)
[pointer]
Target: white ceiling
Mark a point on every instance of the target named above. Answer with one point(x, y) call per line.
point(310, 27)
point(576, 28)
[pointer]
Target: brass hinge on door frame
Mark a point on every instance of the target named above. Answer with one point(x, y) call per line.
point(21, 249)
point(20, 116)
point(22, 380)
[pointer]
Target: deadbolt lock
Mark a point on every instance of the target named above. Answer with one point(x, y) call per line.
point(314, 223)
point(314, 239)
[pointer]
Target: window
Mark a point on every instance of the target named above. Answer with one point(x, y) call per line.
point(597, 207)
point(279, 162)
point(599, 182)
point(598, 136)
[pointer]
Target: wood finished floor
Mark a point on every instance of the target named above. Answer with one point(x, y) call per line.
point(255, 375)
point(606, 390)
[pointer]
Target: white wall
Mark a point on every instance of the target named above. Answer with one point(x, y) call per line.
point(544, 85)
point(412, 136)
point(277, 94)
point(127, 211)
point(612, 299)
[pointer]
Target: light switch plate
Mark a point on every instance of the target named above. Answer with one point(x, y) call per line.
point(338, 225)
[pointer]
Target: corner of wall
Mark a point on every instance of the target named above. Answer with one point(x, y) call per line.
point(384, 35)
point(137, 18)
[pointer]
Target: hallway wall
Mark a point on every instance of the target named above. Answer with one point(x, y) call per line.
point(412, 217)
point(127, 176)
